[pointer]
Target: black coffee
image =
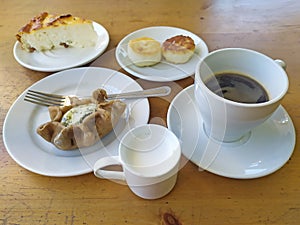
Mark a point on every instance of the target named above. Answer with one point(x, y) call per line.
point(237, 87)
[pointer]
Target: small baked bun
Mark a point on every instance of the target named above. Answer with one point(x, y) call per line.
point(178, 49)
point(144, 51)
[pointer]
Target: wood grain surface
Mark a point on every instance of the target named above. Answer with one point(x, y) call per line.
point(199, 197)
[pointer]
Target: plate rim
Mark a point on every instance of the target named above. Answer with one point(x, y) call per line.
point(96, 25)
point(19, 101)
point(157, 78)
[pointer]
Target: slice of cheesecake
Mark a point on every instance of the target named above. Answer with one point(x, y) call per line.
point(46, 31)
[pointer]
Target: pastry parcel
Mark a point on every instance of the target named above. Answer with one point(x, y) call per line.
point(82, 123)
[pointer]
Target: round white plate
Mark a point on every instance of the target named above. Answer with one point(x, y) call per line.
point(269, 147)
point(62, 58)
point(32, 152)
point(162, 71)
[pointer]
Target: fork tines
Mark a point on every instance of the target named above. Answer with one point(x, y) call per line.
point(44, 99)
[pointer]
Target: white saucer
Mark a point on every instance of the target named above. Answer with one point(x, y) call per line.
point(162, 71)
point(269, 147)
point(32, 152)
point(63, 58)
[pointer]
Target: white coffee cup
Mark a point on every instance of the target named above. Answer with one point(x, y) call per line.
point(149, 155)
point(230, 121)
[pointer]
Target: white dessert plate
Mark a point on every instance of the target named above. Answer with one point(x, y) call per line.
point(62, 58)
point(268, 148)
point(32, 152)
point(163, 71)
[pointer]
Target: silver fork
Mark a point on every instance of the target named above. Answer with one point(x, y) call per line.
point(48, 99)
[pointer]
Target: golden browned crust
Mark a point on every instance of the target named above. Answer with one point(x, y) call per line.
point(90, 130)
point(179, 43)
point(45, 20)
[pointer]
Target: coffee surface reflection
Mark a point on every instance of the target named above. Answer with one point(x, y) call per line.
point(237, 87)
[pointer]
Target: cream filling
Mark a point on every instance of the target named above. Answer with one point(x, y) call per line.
point(77, 114)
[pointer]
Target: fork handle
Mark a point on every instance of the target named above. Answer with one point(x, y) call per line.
point(152, 92)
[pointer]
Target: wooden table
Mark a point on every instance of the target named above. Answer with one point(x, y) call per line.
point(271, 27)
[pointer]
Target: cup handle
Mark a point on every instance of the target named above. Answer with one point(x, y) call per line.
point(108, 174)
point(281, 63)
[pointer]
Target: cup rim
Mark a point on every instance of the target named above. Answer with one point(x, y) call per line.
point(176, 155)
point(250, 105)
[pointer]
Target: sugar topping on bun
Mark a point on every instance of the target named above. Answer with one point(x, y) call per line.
point(144, 51)
point(178, 49)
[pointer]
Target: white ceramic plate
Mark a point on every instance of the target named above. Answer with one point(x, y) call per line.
point(35, 154)
point(62, 58)
point(162, 71)
point(268, 148)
